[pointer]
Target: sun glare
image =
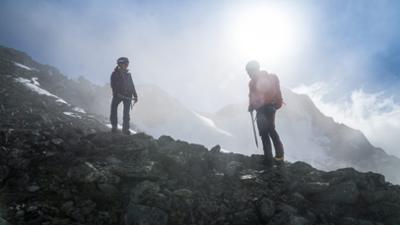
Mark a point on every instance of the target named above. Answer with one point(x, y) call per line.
point(264, 33)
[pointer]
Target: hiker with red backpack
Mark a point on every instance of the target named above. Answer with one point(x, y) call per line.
point(123, 89)
point(266, 98)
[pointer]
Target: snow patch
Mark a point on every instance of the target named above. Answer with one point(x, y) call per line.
point(71, 114)
point(33, 85)
point(22, 66)
point(61, 100)
point(35, 81)
point(211, 124)
point(120, 128)
point(79, 110)
point(225, 150)
point(248, 177)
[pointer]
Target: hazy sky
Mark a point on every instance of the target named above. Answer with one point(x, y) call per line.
point(196, 50)
point(345, 54)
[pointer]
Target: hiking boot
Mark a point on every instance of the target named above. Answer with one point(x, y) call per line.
point(268, 163)
point(114, 130)
point(279, 160)
point(126, 132)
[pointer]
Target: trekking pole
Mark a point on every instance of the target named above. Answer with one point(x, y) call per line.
point(254, 128)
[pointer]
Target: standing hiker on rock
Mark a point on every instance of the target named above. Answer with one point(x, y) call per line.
point(265, 97)
point(123, 89)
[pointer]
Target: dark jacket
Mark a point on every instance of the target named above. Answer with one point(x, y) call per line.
point(122, 83)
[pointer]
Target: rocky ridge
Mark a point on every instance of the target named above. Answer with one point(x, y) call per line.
point(104, 178)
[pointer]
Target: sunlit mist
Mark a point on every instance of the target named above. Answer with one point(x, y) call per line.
point(267, 32)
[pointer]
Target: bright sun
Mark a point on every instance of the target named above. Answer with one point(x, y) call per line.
point(264, 33)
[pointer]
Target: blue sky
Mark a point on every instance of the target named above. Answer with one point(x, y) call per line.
point(367, 28)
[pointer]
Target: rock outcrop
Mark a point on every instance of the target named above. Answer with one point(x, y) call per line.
point(104, 178)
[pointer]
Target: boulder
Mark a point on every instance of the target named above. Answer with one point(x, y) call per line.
point(144, 190)
point(233, 168)
point(140, 214)
point(216, 149)
point(312, 188)
point(4, 172)
point(343, 193)
point(266, 209)
point(3, 222)
point(183, 193)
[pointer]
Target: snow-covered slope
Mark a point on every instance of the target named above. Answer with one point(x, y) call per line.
point(22, 94)
point(34, 86)
point(157, 113)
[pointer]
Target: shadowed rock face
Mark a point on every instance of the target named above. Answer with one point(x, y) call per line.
point(61, 169)
point(114, 179)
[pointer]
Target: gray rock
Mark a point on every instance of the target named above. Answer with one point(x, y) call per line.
point(388, 210)
point(266, 209)
point(57, 141)
point(343, 193)
point(377, 196)
point(247, 216)
point(298, 220)
point(215, 149)
point(20, 213)
point(164, 140)
point(287, 208)
point(144, 215)
point(4, 172)
point(233, 168)
point(3, 222)
point(298, 200)
point(33, 188)
point(67, 207)
point(300, 168)
point(144, 171)
point(311, 188)
point(108, 189)
point(87, 207)
point(183, 193)
point(88, 173)
point(282, 218)
point(3, 208)
point(354, 221)
point(113, 160)
point(143, 191)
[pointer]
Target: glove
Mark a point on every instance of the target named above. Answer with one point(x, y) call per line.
point(250, 109)
point(135, 100)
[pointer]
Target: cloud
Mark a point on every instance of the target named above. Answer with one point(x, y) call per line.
point(187, 48)
point(377, 115)
point(183, 47)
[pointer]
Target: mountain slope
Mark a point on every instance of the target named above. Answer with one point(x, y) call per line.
point(308, 135)
point(157, 113)
point(160, 114)
point(58, 166)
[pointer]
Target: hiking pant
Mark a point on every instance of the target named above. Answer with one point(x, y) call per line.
point(266, 128)
point(114, 112)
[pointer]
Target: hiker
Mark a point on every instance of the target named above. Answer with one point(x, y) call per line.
point(265, 97)
point(123, 89)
